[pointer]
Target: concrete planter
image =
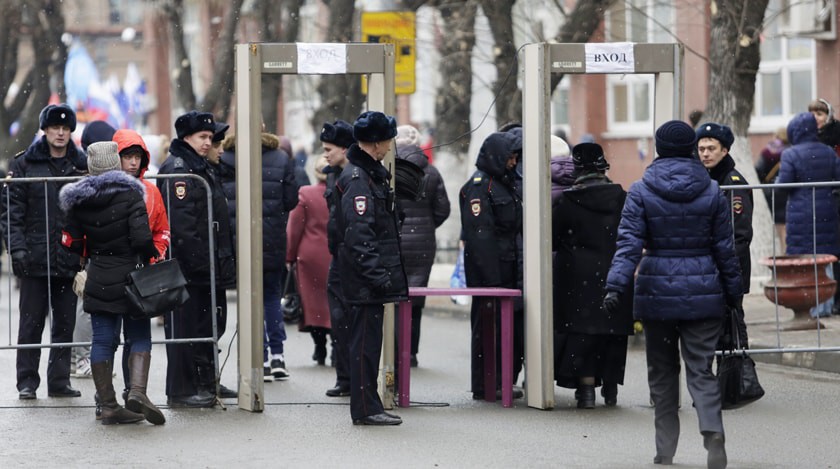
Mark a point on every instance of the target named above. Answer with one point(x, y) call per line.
point(800, 282)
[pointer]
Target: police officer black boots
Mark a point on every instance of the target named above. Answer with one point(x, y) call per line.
point(112, 413)
point(137, 401)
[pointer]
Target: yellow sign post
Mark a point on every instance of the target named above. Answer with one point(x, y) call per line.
point(398, 28)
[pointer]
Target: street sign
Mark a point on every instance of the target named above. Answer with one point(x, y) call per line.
point(398, 28)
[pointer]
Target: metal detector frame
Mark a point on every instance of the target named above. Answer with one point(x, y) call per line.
point(538, 62)
point(252, 61)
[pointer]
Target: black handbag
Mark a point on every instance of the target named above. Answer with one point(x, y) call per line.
point(292, 308)
point(155, 289)
point(736, 373)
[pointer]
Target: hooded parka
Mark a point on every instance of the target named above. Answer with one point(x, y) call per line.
point(106, 217)
point(808, 160)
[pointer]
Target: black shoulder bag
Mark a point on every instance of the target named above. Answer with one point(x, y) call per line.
point(155, 289)
point(736, 374)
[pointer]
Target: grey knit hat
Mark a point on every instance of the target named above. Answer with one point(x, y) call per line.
point(103, 157)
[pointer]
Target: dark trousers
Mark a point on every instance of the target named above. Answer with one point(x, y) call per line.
point(36, 297)
point(664, 340)
point(477, 359)
point(365, 351)
point(191, 367)
point(340, 332)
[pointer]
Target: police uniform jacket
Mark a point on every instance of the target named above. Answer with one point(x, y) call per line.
point(107, 219)
point(742, 210)
point(808, 160)
point(186, 200)
point(32, 221)
point(491, 217)
point(682, 221)
point(333, 199)
point(367, 236)
point(279, 195)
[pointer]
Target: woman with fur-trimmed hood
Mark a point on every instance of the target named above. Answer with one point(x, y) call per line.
point(107, 222)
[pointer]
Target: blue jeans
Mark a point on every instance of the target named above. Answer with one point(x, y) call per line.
point(275, 329)
point(106, 335)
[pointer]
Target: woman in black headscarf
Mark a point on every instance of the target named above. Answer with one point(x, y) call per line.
point(592, 344)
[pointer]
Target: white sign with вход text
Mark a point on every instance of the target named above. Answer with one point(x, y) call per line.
point(322, 59)
point(610, 57)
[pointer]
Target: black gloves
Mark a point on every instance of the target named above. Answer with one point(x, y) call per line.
point(19, 263)
point(611, 302)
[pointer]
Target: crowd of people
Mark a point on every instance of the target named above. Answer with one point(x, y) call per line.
point(671, 252)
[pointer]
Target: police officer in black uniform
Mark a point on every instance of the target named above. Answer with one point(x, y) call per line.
point(369, 259)
point(713, 143)
point(190, 372)
point(32, 224)
point(336, 139)
point(491, 221)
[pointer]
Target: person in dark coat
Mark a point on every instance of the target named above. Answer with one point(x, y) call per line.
point(828, 128)
point(767, 168)
point(32, 223)
point(808, 160)
point(676, 228)
point(491, 224)
point(336, 138)
point(417, 232)
point(584, 229)
point(307, 237)
point(369, 259)
point(279, 192)
point(713, 144)
point(191, 373)
point(107, 222)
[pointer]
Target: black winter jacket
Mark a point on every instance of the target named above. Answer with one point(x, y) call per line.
point(186, 203)
point(279, 195)
point(369, 259)
point(33, 220)
point(742, 211)
point(106, 217)
point(491, 218)
point(422, 217)
point(333, 199)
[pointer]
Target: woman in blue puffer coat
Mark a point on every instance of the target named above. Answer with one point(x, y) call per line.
point(676, 228)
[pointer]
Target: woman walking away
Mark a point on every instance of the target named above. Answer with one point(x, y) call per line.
point(676, 227)
point(108, 222)
point(585, 222)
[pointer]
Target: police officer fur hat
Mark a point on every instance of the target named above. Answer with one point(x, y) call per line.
point(339, 133)
point(194, 122)
point(103, 157)
point(374, 126)
point(721, 133)
point(219, 131)
point(57, 114)
point(589, 157)
point(675, 138)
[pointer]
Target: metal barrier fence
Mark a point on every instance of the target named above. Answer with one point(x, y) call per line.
point(170, 254)
point(773, 262)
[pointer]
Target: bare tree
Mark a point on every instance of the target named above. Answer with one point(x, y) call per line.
point(39, 24)
point(580, 25)
point(282, 27)
point(341, 95)
point(499, 15)
point(218, 97)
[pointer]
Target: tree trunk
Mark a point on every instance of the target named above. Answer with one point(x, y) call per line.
point(734, 58)
point(499, 15)
point(452, 108)
point(276, 28)
point(341, 95)
point(580, 25)
point(218, 96)
point(183, 72)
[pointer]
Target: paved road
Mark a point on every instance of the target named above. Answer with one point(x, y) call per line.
point(793, 426)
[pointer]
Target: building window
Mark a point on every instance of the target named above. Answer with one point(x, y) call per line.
point(786, 80)
point(630, 97)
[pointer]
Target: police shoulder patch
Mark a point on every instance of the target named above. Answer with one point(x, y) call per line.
point(477, 180)
point(360, 203)
point(737, 204)
point(178, 163)
point(181, 190)
point(355, 173)
point(475, 207)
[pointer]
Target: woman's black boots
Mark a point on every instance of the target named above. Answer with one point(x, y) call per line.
point(586, 396)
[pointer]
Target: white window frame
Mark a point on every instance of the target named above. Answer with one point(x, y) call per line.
point(632, 127)
point(768, 123)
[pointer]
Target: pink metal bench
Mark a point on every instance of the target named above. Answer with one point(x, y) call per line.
point(505, 296)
